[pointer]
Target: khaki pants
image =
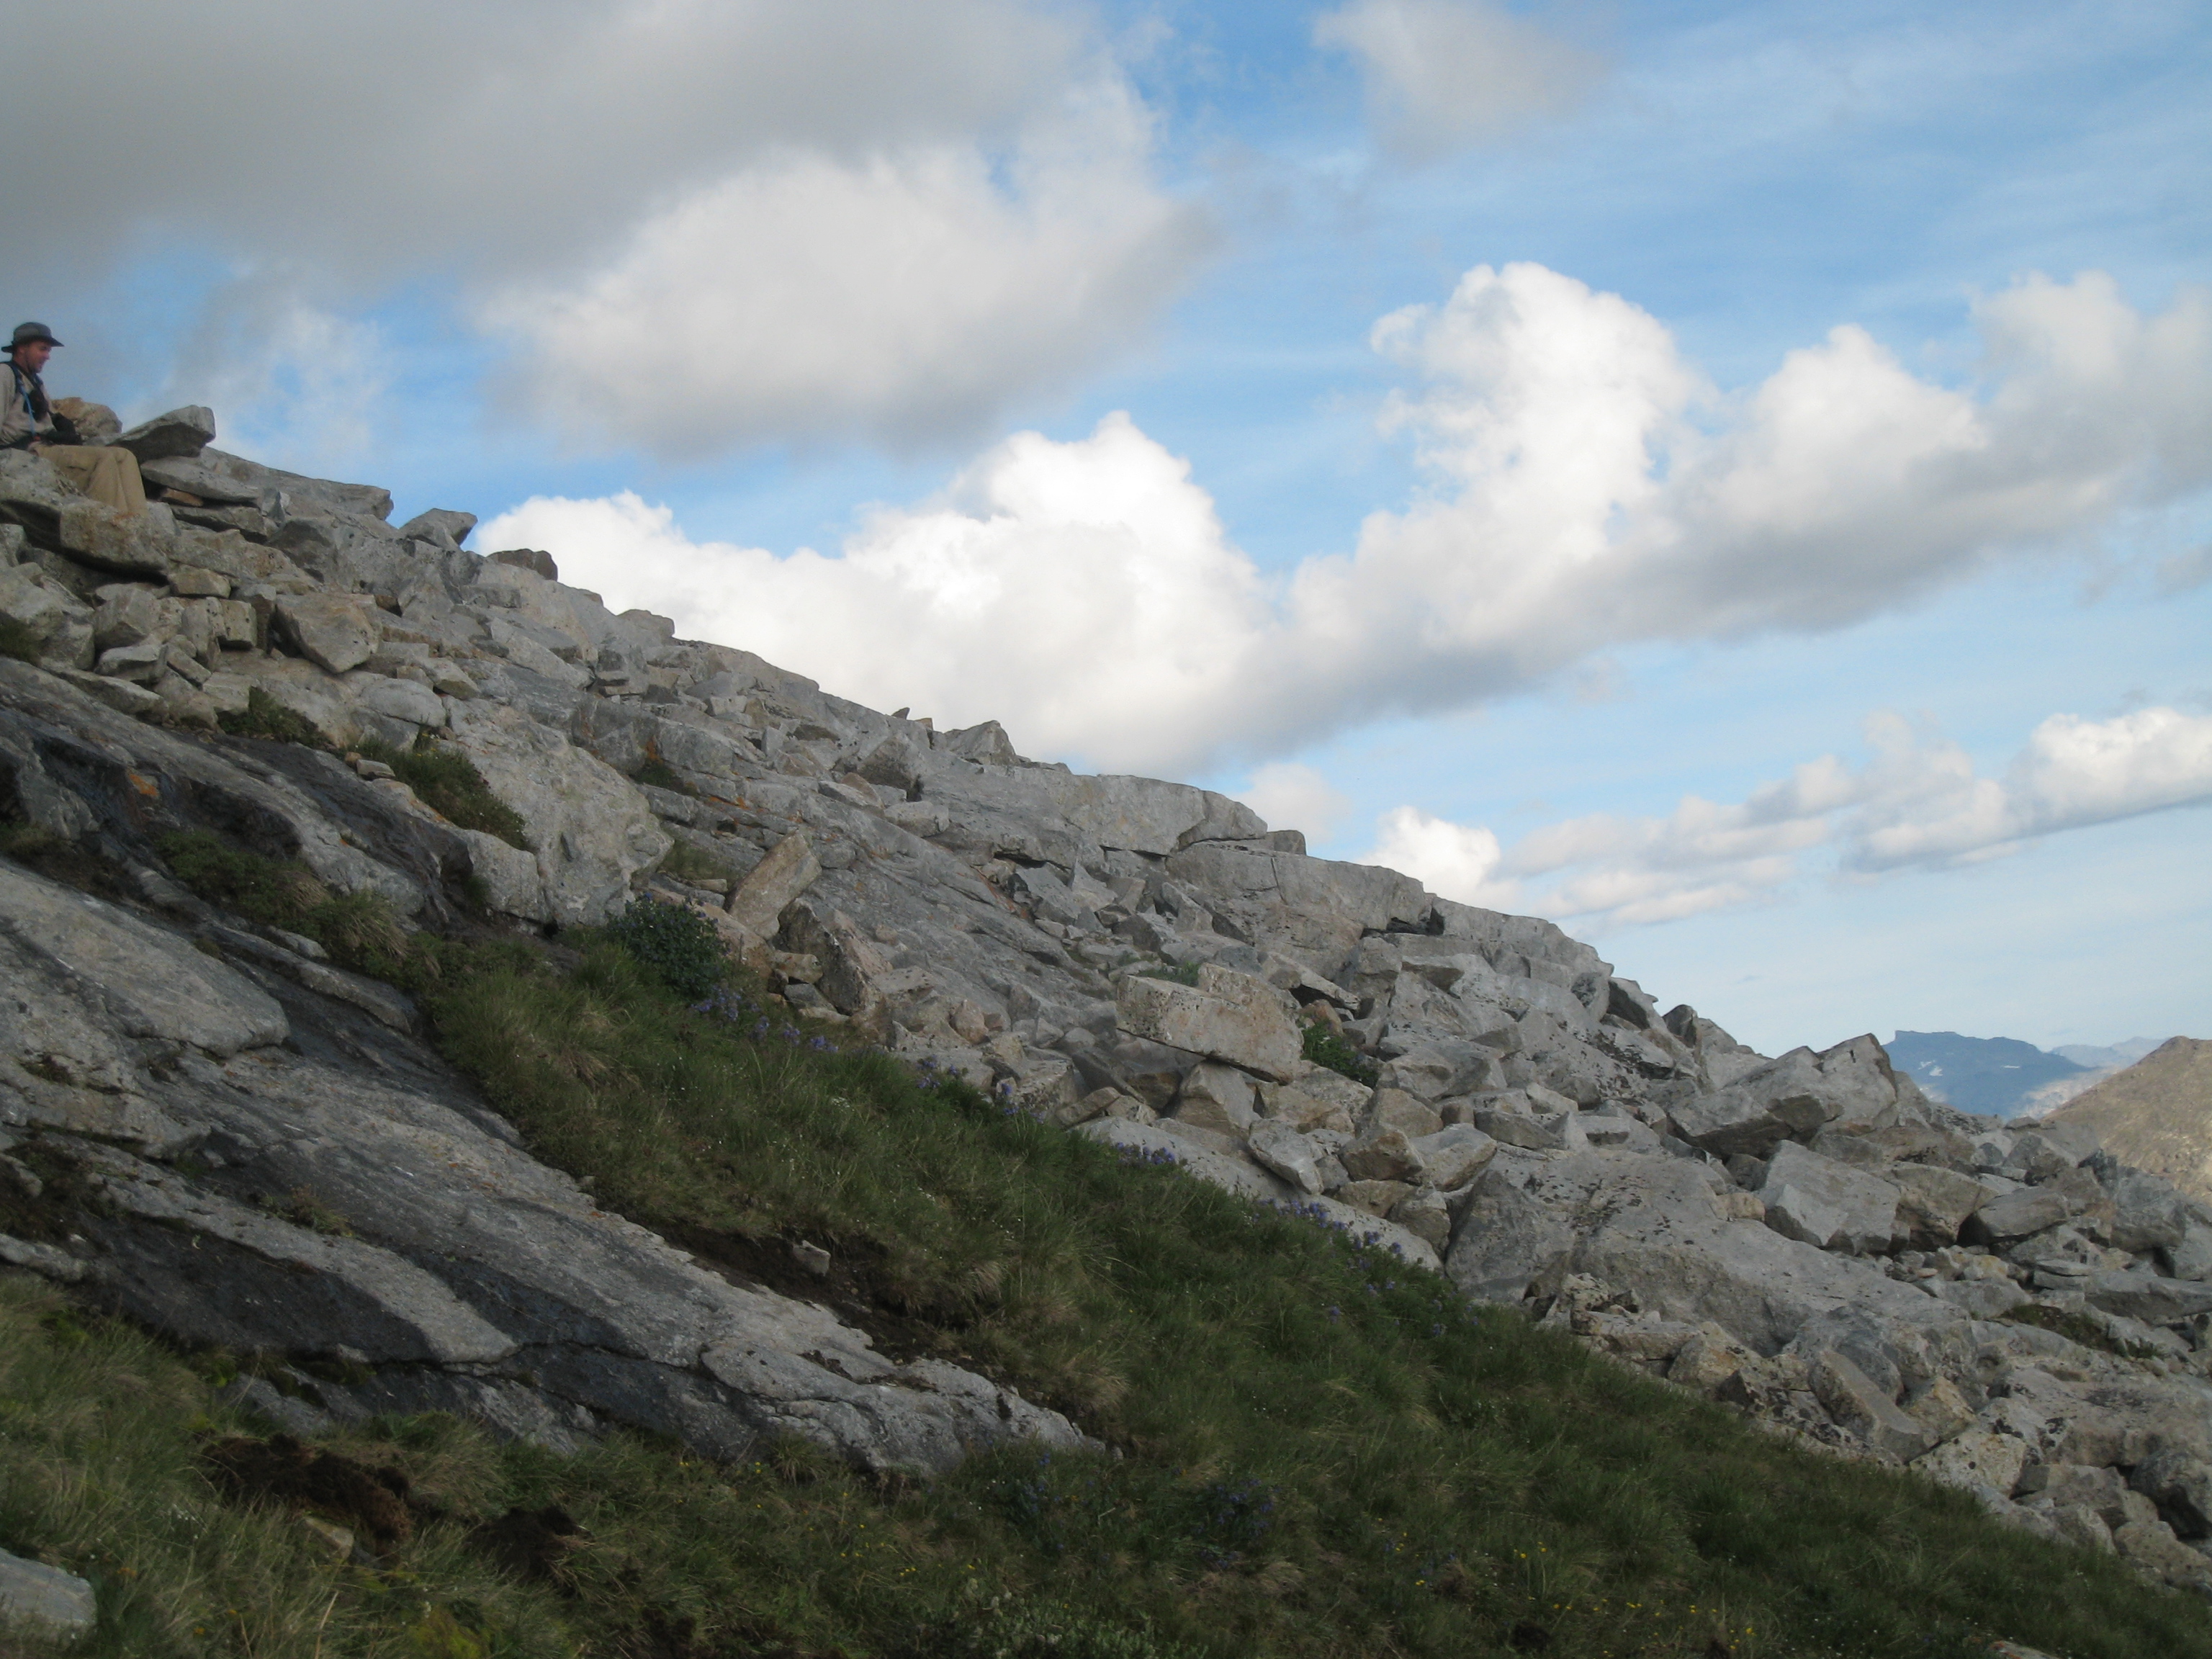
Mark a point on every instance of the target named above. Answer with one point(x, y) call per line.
point(108, 475)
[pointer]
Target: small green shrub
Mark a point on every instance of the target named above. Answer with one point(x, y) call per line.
point(1324, 1047)
point(448, 782)
point(18, 640)
point(675, 941)
point(276, 894)
point(264, 717)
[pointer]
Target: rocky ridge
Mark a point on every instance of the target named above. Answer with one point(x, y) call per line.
point(1806, 1237)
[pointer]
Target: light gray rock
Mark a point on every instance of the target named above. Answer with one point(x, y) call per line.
point(2152, 1546)
point(1536, 1130)
point(180, 434)
point(1153, 1143)
point(128, 613)
point(2181, 1485)
point(1453, 1156)
point(1827, 1205)
point(1856, 1405)
point(1793, 1098)
point(143, 981)
point(59, 624)
point(44, 1601)
point(2149, 1297)
point(2148, 1213)
point(1282, 1150)
point(1381, 1153)
point(1933, 1203)
point(1220, 1098)
point(1982, 1456)
point(1656, 1228)
point(1424, 1213)
point(591, 829)
point(1227, 1016)
point(1506, 1244)
point(334, 631)
point(1394, 1109)
point(2016, 1215)
point(395, 699)
point(442, 526)
point(141, 544)
point(789, 870)
point(1320, 1100)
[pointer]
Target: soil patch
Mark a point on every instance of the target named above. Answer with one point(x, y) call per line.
point(372, 1502)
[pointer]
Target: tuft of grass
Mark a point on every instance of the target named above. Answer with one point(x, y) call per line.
point(101, 1433)
point(18, 639)
point(447, 780)
point(264, 717)
point(59, 859)
point(302, 1208)
point(675, 942)
point(1184, 974)
point(1324, 1047)
point(360, 930)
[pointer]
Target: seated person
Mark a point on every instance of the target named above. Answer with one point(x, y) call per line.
point(27, 420)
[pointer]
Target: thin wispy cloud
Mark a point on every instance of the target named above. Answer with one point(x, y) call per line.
point(1918, 803)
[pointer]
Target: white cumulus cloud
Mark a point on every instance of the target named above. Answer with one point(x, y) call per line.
point(698, 223)
point(901, 297)
point(1292, 795)
point(1918, 802)
point(1445, 74)
point(1587, 488)
point(1453, 861)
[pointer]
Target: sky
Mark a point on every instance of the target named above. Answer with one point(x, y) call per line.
point(1735, 479)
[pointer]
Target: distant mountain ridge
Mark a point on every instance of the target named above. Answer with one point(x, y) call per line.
point(2111, 1059)
point(1989, 1075)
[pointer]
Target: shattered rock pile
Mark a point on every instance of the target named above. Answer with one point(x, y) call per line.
point(1806, 1237)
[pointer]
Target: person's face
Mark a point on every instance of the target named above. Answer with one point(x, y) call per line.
point(32, 355)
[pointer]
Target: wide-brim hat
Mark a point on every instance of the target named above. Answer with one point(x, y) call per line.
point(30, 334)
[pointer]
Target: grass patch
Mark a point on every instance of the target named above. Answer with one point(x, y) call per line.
point(1316, 1452)
point(19, 640)
point(1324, 1047)
point(1180, 973)
point(264, 717)
point(1323, 1452)
point(59, 859)
point(361, 931)
point(447, 780)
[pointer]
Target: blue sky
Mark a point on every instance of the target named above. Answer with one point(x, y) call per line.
point(799, 276)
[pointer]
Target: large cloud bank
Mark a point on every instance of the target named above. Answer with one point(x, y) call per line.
point(790, 217)
point(1917, 803)
point(1588, 487)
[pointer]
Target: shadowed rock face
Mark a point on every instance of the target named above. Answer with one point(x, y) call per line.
point(1808, 1237)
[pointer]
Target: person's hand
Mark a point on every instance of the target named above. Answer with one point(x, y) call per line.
point(64, 431)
